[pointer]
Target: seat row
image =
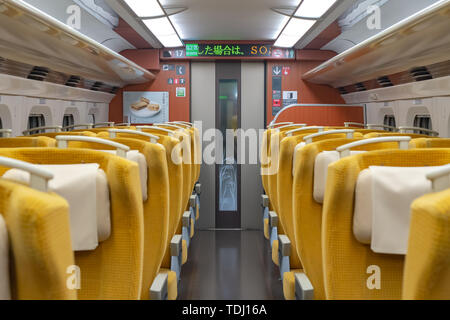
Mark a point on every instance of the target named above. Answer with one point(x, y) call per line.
point(98, 213)
point(348, 212)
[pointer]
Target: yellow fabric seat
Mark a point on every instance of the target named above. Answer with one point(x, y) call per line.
point(427, 265)
point(156, 209)
point(114, 270)
point(102, 129)
point(396, 134)
point(28, 142)
point(41, 247)
point(349, 266)
point(430, 143)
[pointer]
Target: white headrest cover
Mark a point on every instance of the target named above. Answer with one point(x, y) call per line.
point(382, 206)
point(85, 188)
point(139, 158)
point(5, 287)
point(323, 160)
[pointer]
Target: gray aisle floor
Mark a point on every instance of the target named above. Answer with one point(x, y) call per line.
point(230, 265)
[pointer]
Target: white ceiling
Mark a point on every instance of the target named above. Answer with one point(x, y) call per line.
point(229, 19)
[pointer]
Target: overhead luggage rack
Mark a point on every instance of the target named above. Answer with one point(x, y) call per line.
point(30, 36)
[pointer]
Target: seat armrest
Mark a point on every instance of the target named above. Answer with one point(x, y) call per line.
point(304, 289)
point(273, 219)
point(284, 245)
point(176, 245)
point(187, 219)
point(192, 201)
point(265, 201)
point(159, 289)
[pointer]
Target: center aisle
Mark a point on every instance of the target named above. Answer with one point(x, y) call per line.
point(230, 265)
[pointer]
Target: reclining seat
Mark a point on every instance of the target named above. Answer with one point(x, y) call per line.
point(290, 262)
point(307, 211)
point(427, 264)
point(186, 224)
point(430, 143)
point(39, 239)
point(268, 168)
point(156, 206)
point(277, 223)
point(113, 271)
point(28, 142)
point(352, 270)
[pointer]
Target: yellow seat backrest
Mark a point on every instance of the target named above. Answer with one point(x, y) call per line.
point(430, 143)
point(349, 265)
point(396, 134)
point(102, 129)
point(156, 208)
point(70, 133)
point(113, 271)
point(427, 265)
point(41, 247)
point(28, 142)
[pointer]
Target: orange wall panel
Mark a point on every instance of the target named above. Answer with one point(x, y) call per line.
point(179, 109)
point(308, 93)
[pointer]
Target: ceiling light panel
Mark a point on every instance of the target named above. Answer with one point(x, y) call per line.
point(145, 8)
point(294, 31)
point(155, 19)
point(314, 8)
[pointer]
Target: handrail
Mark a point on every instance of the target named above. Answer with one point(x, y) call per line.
point(440, 178)
point(120, 148)
point(104, 124)
point(271, 126)
point(304, 105)
point(113, 134)
point(309, 139)
point(291, 133)
point(39, 177)
point(405, 129)
point(168, 125)
point(123, 124)
point(344, 151)
point(357, 124)
point(74, 126)
point(170, 132)
point(56, 128)
point(187, 125)
point(294, 125)
point(6, 133)
point(383, 126)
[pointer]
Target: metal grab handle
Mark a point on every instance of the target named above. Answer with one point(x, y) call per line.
point(179, 123)
point(121, 149)
point(39, 177)
point(6, 133)
point(85, 125)
point(113, 134)
point(56, 128)
point(382, 126)
point(271, 126)
point(170, 132)
point(440, 178)
point(344, 151)
point(405, 129)
point(123, 124)
point(104, 124)
point(357, 124)
point(291, 133)
point(168, 125)
point(309, 139)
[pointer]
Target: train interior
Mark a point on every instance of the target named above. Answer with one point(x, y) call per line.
point(225, 150)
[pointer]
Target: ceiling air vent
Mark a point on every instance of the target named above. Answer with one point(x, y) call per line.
point(385, 82)
point(342, 90)
point(421, 74)
point(360, 87)
point(73, 81)
point(38, 73)
point(97, 86)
